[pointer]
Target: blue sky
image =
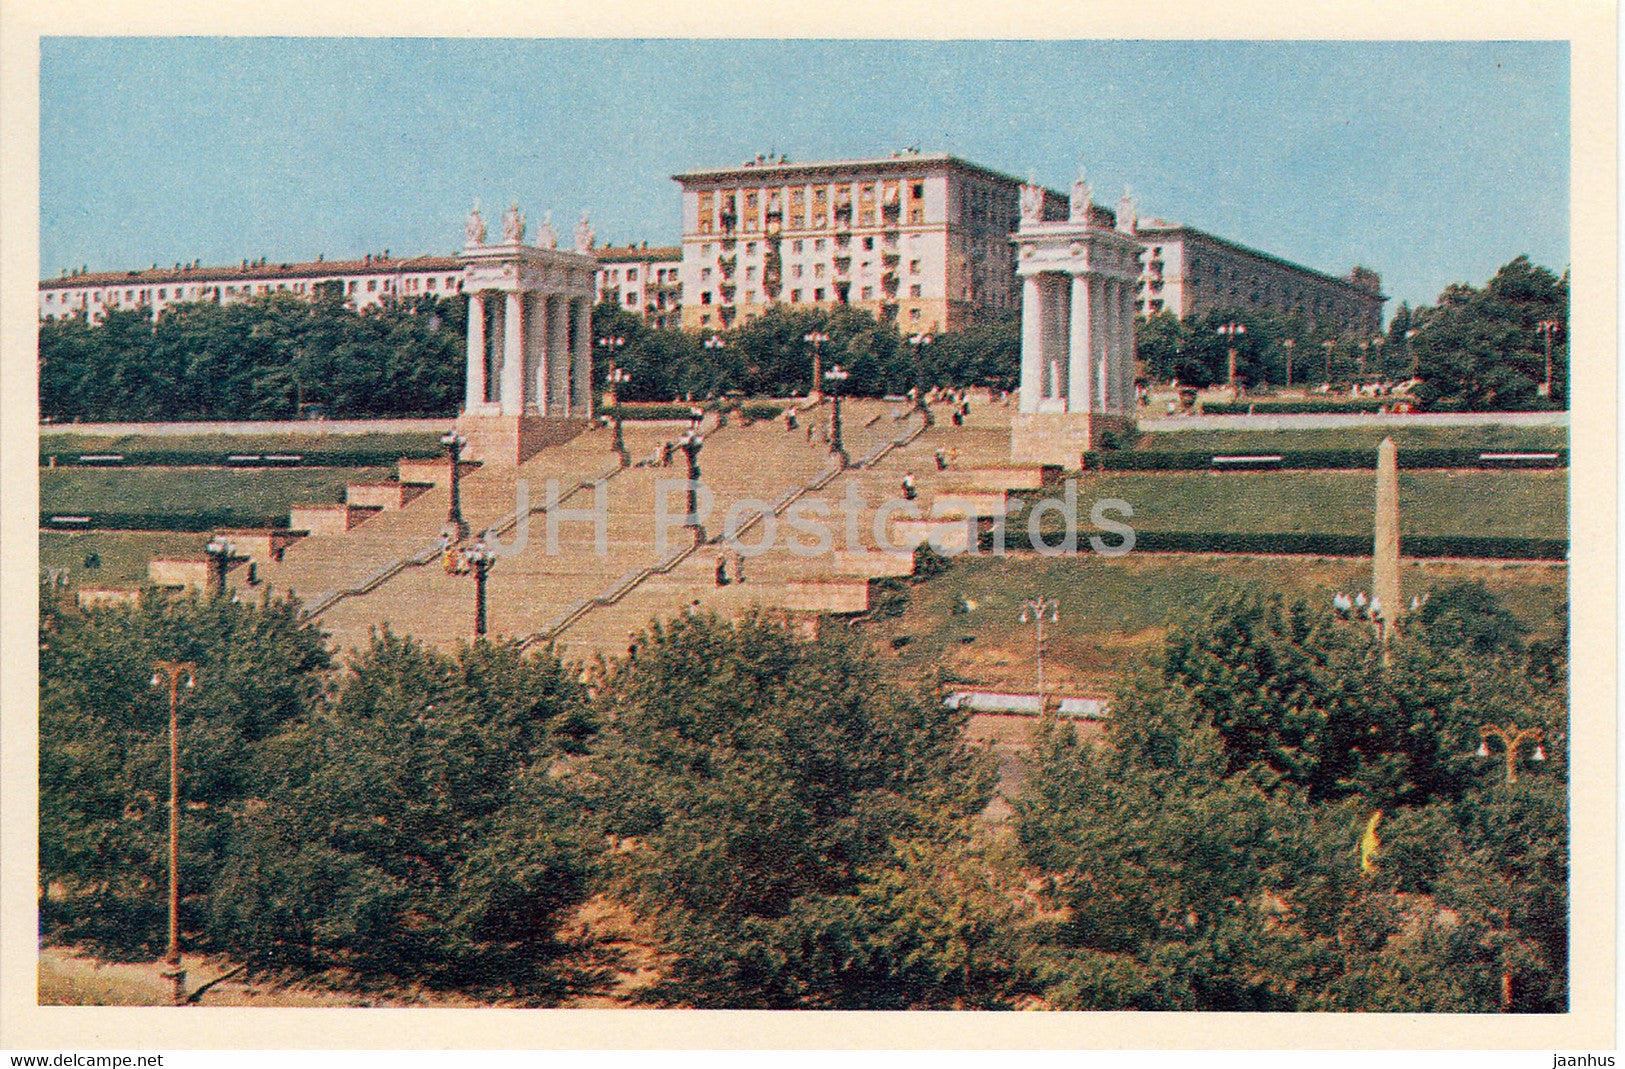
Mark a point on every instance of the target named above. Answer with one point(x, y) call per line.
point(1430, 162)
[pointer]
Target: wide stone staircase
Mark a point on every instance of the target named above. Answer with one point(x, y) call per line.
point(590, 598)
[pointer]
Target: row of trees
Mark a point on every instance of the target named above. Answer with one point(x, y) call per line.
point(260, 359)
point(1477, 349)
point(793, 826)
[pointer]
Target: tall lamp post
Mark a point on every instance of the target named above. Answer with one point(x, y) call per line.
point(173, 670)
point(836, 377)
point(1546, 328)
point(618, 378)
point(479, 558)
point(1511, 738)
point(1229, 331)
point(1288, 344)
point(1036, 608)
point(220, 552)
point(816, 339)
point(690, 442)
point(454, 444)
point(918, 341)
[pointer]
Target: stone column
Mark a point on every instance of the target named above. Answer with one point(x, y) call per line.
point(1032, 344)
point(1097, 335)
point(1114, 351)
point(474, 388)
point(558, 356)
point(533, 350)
point(540, 326)
point(513, 354)
point(1125, 309)
point(1385, 546)
point(1082, 355)
point(581, 392)
point(496, 329)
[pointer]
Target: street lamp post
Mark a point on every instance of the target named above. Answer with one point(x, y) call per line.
point(690, 443)
point(1230, 330)
point(172, 957)
point(816, 339)
point(480, 558)
point(919, 341)
point(618, 378)
point(220, 551)
point(1037, 607)
point(454, 444)
point(1288, 344)
point(836, 377)
point(1511, 738)
point(1546, 328)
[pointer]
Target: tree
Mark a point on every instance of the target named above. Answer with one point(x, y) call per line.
point(417, 827)
point(104, 753)
point(767, 793)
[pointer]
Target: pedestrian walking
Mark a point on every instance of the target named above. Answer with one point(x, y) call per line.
point(942, 460)
point(909, 493)
point(722, 570)
point(739, 567)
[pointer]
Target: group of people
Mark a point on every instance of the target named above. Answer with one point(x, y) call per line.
point(723, 559)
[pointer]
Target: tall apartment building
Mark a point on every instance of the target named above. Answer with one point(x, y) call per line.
point(1186, 271)
point(643, 280)
point(922, 240)
point(366, 282)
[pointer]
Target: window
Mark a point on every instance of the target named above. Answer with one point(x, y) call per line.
point(795, 270)
point(868, 293)
point(428, 284)
point(705, 297)
point(795, 246)
point(914, 290)
point(705, 250)
point(372, 284)
point(919, 190)
point(163, 295)
point(631, 274)
point(818, 294)
point(704, 319)
point(705, 274)
point(818, 245)
point(818, 270)
point(914, 267)
point(750, 274)
point(868, 244)
point(750, 248)
point(631, 300)
point(916, 215)
point(795, 296)
point(451, 282)
point(914, 313)
point(352, 286)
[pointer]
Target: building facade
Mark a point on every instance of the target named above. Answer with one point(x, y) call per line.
point(921, 240)
point(365, 283)
point(1188, 272)
point(643, 280)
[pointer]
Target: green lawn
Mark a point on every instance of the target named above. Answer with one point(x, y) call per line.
point(1498, 437)
point(1113, 611)
point(157, 490)
point(1489, 503)
point(405, 443)
point(124, 554)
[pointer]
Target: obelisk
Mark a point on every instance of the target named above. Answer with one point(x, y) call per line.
point(1385, 548)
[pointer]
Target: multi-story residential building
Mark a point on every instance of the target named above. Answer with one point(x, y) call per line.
point(1188, 272)
point(645, 281)
point(922, 240)
point(365, 283)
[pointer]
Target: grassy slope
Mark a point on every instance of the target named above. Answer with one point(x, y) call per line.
point(124, 554)
point(1524, 503)
point(251, 492)
point(1113, 610)
point(1422, 437)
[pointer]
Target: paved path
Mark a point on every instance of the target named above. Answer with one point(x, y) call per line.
point(1331, 420)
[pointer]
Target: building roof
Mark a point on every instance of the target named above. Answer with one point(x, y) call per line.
point(637, 253)
point(376, 265)
point(1145, 228)
point(773, 170)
